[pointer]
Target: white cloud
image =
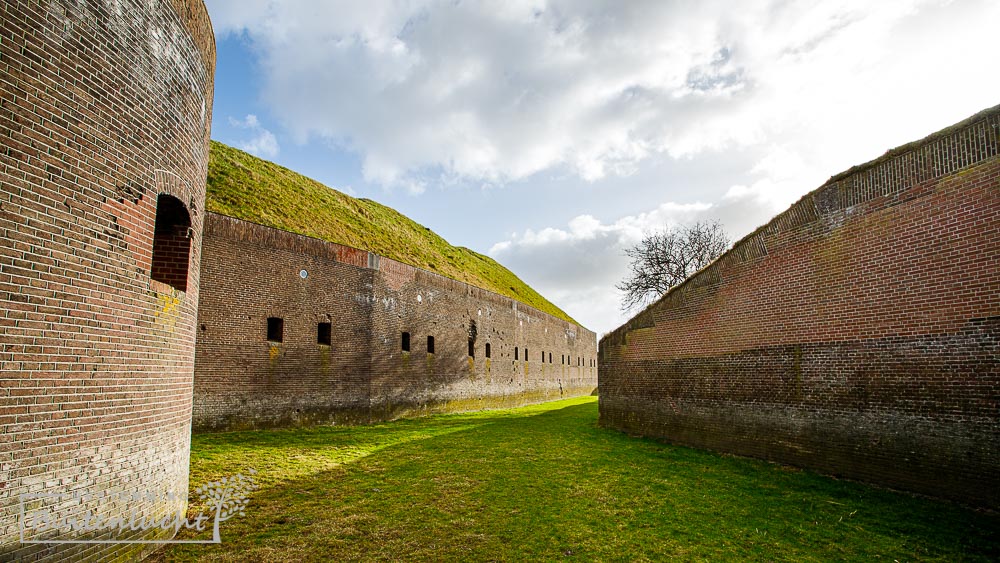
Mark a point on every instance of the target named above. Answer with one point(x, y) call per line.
point(263, 143)
point(432, 92)
point(579, 265)
point(498, 91)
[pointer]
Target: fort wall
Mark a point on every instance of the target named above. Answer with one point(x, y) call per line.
point(857, 333)
point(356, 368)
point(105, 112)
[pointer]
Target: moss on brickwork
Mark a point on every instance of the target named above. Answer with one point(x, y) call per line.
point(243, 186)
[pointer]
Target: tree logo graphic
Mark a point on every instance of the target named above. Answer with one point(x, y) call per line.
point(228, 497)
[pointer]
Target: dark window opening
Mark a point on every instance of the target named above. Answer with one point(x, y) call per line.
point(324, 333)
point(515, 353)
point(275, 329)
point(430, 344)
point(487, 349)
point(543, 357)
point(472, 348)
point(406, 341)
point(171, 242)
point(550, 357)
point(526, 354)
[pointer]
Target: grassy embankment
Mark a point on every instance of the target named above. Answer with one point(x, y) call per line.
point(545, 483)
point(246, 187)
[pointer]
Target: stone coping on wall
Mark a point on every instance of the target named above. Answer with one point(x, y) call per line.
point(964, 144)
point(233, 228)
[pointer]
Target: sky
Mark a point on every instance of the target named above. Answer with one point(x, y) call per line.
point(551, 135)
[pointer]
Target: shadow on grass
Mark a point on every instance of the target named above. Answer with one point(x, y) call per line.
point(546, 482)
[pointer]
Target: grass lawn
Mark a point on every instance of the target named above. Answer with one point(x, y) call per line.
point(545, 483)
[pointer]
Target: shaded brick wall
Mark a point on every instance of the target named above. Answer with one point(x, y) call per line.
point(242, 380)
point(101, 110)
point(857, 333)
point(425, 304)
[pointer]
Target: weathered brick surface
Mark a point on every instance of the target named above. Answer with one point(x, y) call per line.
point(857, 333)
point(102, 108)
point(251, 272)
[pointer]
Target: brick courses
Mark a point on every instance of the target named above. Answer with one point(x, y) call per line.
point(101, 110)
point(242, 380)
point(857, 333)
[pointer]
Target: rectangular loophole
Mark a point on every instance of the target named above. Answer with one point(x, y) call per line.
point(515, 353)
point(406, 342)
point(275, 329)
point(430, 344)
point(324, 333)
point(472, 348)
point(487, 349)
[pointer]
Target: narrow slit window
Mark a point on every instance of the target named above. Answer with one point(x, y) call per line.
point(472, 348)
point(323, 333)
point(543, 357)
point(526, 354)
point(487, 349)
point(550, 357)
point(430, 344)
point(406, 341)
point(275, 329)
point(515, 354)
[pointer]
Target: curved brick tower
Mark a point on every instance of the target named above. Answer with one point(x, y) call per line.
point(105, 110)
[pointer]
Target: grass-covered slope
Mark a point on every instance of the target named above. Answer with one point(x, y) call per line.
point(243, 186)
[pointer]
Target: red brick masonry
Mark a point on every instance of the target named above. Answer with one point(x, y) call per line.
point(103, 106)
point(857, 333)
point(251, 273)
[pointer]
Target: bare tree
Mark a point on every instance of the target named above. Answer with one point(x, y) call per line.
point(665, 259)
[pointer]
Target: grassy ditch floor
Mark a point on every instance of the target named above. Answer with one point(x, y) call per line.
point(545, 483)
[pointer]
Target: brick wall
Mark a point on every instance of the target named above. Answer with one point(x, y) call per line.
point(242, 380)
point(857, 333)
point(101, 110)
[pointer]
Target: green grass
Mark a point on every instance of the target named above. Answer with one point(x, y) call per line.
point(246, 187)
point(546, 483)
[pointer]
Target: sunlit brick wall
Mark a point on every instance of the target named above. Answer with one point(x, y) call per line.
point(857, 333)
